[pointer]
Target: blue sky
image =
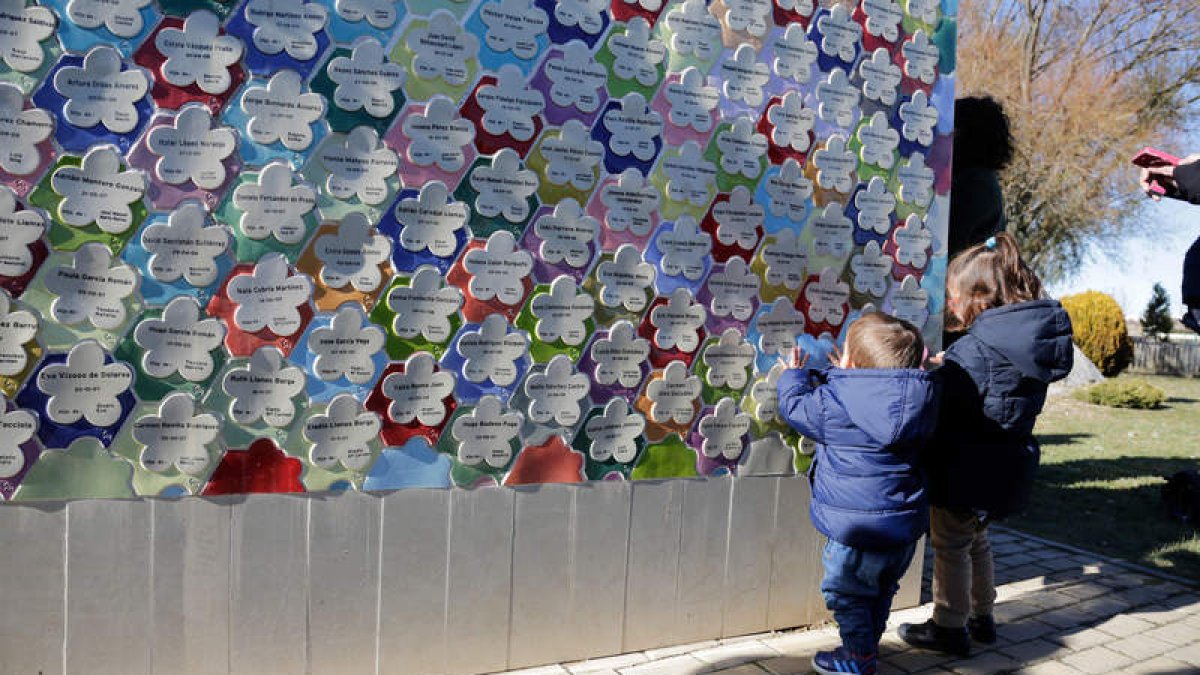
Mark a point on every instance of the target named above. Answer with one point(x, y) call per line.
point(1154, 254)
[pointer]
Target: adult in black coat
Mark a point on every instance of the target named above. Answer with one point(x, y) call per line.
point(983, 146)
point(1182, 182)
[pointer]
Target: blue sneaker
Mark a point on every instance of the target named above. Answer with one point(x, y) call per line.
point(841, 660)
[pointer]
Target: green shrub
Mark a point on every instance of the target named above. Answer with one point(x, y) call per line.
point(1100, 330)
point(1123, 394)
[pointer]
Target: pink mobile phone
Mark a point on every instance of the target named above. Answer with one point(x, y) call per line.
point(1150, 158)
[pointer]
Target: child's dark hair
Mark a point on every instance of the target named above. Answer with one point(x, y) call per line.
point(989, 275)
point(877, 340)
point(981, 133)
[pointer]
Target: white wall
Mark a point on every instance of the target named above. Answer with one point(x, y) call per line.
point(417, 581)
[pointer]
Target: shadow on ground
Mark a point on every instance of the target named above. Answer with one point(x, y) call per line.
point(1113, 506)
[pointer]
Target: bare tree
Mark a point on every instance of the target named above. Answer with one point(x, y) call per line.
point(1086, 84)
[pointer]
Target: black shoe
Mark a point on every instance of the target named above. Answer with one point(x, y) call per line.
point(1191, 319)
point(929, 635)
point(982, 629)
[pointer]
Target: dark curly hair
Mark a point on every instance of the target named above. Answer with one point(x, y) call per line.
point(981, 133)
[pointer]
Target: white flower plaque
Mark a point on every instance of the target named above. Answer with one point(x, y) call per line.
point(351, 256)
point(431, 222)
point(346, 347)
point(99, 92)
point(176, 437)
point(179, 342)
point(513, 26)
point(572, 156)
point(23, 28)
point(282, 112)
point(742, 148)
point(836, 165)
point(685, 248)
point(505, 187)
point(562, 313)
point(419, 392)
point(624, 279)
point(620, 355)
point(286, 26)
point(673, 396)
point(576, 79)
point(875, 205)
point(739, 219)
point(636, 54)
point(185, 246)
point(871, 270)
point(91, 288)
point(614, 433)
point(734, 290)
point(274, 205)
point(198, 54)
point(827, 298)
point(98, 191)
point(745, 76)
point(499, 269)
point(555, 394)
point(18, 426)
point(787, 260)
point(18, 229)
point(343, 435)
point(17, 328)
point(692, 100)
point(84, 387)
point(437, 135)
point(492, 352)
point(443, 49)
point(723, 431)
point(510, 106)
point(630, 203)
point(695, 32)
point(779, 327)
point(566, 235)
point(728, 361)
point(485, 434)
point(424, 307)
point(270, 298)
point(21, 130)
point(358, 164)
point(690, 177)
point(264, 389)
point(190, 148)
point(789, 191)
point(677, 322)
point(366, 79)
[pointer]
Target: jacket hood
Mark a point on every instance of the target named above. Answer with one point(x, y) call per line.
point(889, 405)
point(1034, 336)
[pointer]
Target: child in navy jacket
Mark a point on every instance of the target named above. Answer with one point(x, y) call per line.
point(869, 418)
point(983, 456)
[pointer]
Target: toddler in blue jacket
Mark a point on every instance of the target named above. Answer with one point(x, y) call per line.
point(870, 418)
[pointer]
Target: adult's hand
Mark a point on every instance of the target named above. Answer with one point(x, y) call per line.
point(1164, 176)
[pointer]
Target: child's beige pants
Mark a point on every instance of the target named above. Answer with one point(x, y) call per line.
point(963, 581)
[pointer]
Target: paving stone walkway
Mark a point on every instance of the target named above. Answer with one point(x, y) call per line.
point(1061, 611)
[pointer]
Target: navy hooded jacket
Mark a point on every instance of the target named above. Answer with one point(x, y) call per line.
point(994, 381)
point(869, 426)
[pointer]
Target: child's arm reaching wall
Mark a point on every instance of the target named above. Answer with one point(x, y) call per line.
point(802, 402)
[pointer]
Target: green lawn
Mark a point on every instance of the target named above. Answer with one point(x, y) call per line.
point(1102, 469)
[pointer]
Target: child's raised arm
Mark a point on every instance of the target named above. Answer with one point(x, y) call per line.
point(802, 402)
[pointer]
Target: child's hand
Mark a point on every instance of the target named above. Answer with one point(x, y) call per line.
point(795, 359)
point(835, 357)
point(937, 359)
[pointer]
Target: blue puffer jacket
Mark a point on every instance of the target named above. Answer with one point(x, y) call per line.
point(869, 426)
point(994, 381)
